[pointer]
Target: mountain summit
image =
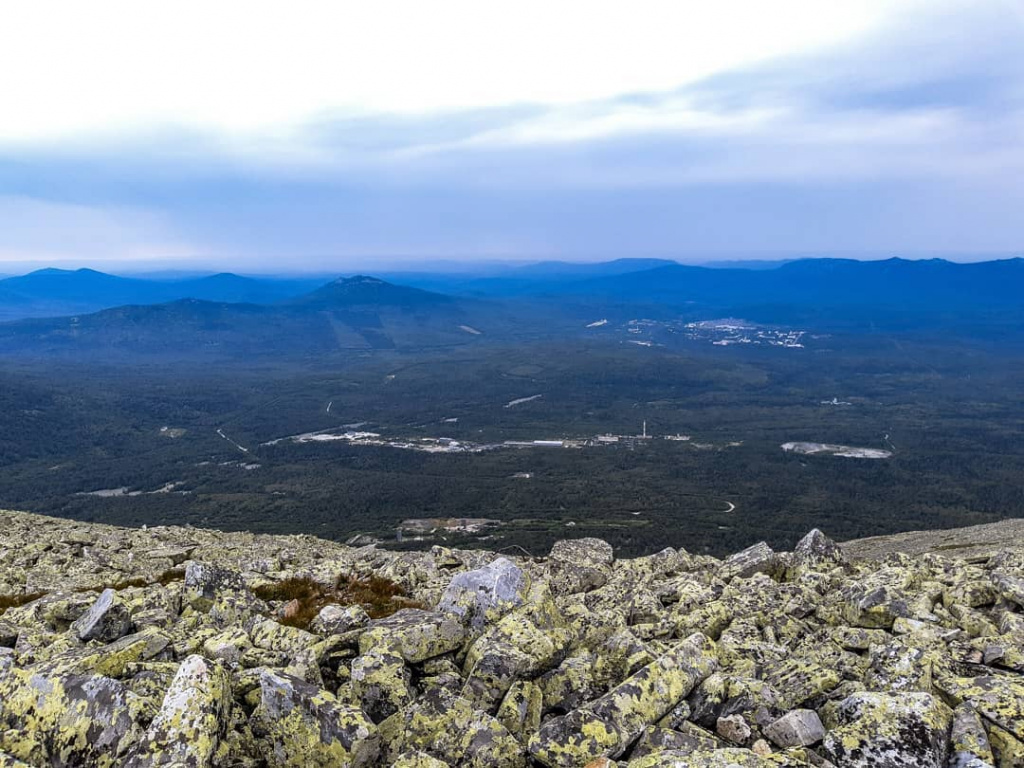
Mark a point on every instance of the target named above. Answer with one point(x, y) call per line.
point(362, 291)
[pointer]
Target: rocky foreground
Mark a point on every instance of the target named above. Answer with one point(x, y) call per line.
point(185, 647)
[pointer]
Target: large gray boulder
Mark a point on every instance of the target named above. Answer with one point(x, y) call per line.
point(484, 595)
point(448, 728)
point(106, 620)
point(580, 565)
point(797, 728)
point(760, 558)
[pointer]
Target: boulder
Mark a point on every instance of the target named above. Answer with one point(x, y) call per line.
point(106, 620)
point(380, 680)
point(997, 698)
point(297, 724)
point(66, 720)
point(759, 558)
point(733, 728)
point(450, 729)
point(338, 619)
point(416, 635)
point(587, 552)
point(797, 728)
point(580, 565)
point(206, 581)
point(817, 549)
point(608, 725)
point(969, 745)
point(192, 719)
point(874, 729)
point(485, 594)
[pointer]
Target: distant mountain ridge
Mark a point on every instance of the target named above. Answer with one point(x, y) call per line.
point(898, 281)
point(55, 292)
point(233, 315)
point(355, 313)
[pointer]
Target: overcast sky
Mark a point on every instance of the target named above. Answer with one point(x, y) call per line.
point(266, 136)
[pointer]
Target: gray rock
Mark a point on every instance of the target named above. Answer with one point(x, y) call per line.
point(816, 548)
point(685, 739)
point(380, 680)
point(449, 729)
point(760, 558)
point(733, 728)
point(969, 745)
point(337, 619)
point(66, 720)
point(485, 594)
point(177, 555)
point(797, 728)
point(107, 620)
point(206, 581)
point(580, 565)
point(1010, 587)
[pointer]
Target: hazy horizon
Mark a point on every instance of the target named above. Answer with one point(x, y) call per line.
point(397, 266)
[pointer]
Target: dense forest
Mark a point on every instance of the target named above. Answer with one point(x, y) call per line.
point(203, 445)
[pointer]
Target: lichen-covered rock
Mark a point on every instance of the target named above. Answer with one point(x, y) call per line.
point(817, 549)
point(68, 720)
point(687, 739)
point(414, 634)
point(759, 558)
point(297, 724)
point(580, 565)
point(577, 658)
point(192, 719)
point(608, 725)
point(969, 745)
point(417, 759)
point(733, 728)
point(380, 680)
point(999, 699)
point(874, 729)
point(227, 646)
point(731, 757)
point(520, 710)
point(204, 581)
point(448, 728)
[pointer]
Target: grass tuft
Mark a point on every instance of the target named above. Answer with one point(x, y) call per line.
point(378, 596)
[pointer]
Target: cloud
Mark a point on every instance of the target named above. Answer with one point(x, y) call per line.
point(602, 133)
point(247, 69)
